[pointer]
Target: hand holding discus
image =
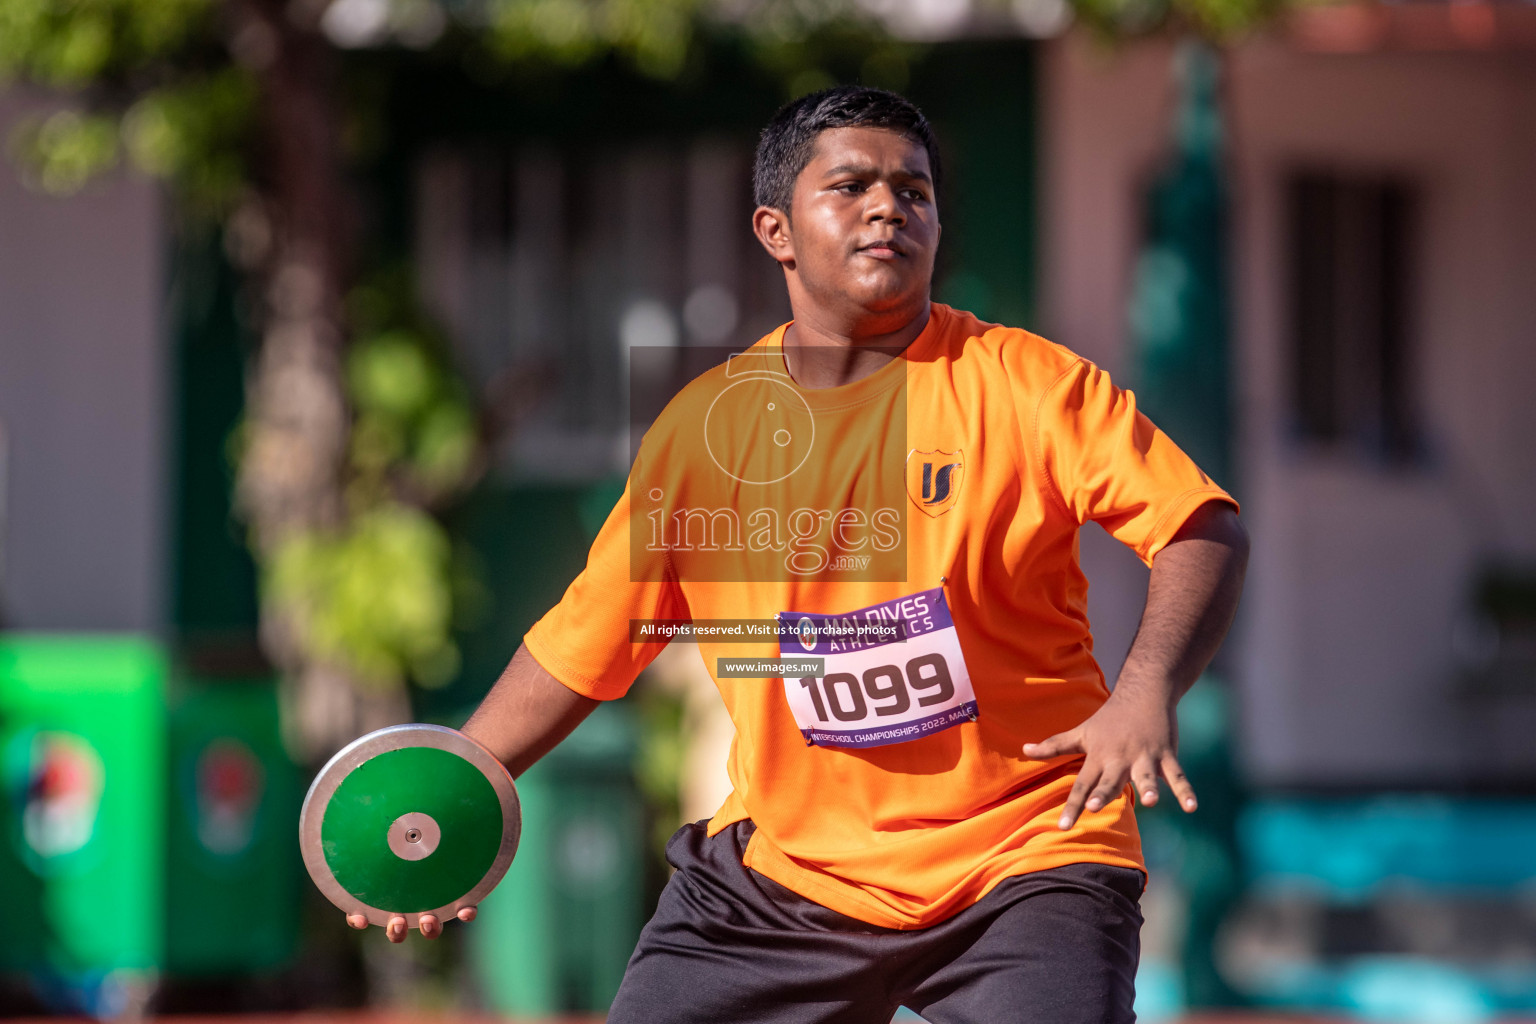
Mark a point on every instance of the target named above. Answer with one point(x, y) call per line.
point(409, 827)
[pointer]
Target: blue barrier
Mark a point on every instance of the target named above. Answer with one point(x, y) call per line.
point(1350, 847)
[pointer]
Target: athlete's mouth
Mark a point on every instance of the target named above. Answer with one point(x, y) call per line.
point(883, 247)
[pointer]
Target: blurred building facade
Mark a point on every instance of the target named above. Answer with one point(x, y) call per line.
point(84, 387)
point(1382, 227)
point(1379, 217)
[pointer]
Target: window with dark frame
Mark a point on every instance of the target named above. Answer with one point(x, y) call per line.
point(1351, 245)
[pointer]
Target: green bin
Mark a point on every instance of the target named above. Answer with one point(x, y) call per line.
point(555, 935)
point(232, 859)
point(82, 755)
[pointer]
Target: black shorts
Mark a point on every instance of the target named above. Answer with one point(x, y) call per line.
point(730, 946)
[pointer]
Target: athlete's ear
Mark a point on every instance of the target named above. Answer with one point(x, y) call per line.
point(771, 226)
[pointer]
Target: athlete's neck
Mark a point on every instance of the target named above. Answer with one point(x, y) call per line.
point(819, 354)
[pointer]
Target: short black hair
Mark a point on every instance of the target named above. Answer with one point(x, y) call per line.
point(788, 141)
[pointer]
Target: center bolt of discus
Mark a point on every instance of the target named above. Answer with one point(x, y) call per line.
point(414, 836)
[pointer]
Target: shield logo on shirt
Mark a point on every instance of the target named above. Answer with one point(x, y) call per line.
point(934, 479)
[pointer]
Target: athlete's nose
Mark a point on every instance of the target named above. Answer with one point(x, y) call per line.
point(884, 205)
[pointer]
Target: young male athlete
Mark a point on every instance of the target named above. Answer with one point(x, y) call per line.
point(935, 811)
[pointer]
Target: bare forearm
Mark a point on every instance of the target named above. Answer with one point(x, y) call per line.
point(527, 712)
point(1191, 600)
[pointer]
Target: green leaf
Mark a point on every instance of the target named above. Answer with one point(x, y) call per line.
point(446, 444)
point(63, 151)
point(195, 134)
point(391, 375)
point(374, 598)
point(81, 50)
point(79, 43)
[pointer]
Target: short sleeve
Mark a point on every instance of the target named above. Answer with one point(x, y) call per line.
point(584, 641)
point(1107, 463)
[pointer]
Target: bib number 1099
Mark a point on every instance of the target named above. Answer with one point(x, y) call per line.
point(886, 690)
point(898, 686)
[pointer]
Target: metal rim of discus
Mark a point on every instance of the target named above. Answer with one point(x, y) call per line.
point(426, 829)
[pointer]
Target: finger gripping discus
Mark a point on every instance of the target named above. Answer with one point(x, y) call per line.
point(410, 820)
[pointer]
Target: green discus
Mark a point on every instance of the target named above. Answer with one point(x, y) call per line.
point(409, 820)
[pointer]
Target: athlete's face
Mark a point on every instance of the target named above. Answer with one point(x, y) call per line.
point(862, 229)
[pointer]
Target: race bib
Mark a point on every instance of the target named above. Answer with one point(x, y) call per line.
point(890, 684)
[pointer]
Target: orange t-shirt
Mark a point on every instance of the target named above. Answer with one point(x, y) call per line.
point(958, 476)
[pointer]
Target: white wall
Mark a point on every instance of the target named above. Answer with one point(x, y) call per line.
point(1359, 573)
point(83, 398)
